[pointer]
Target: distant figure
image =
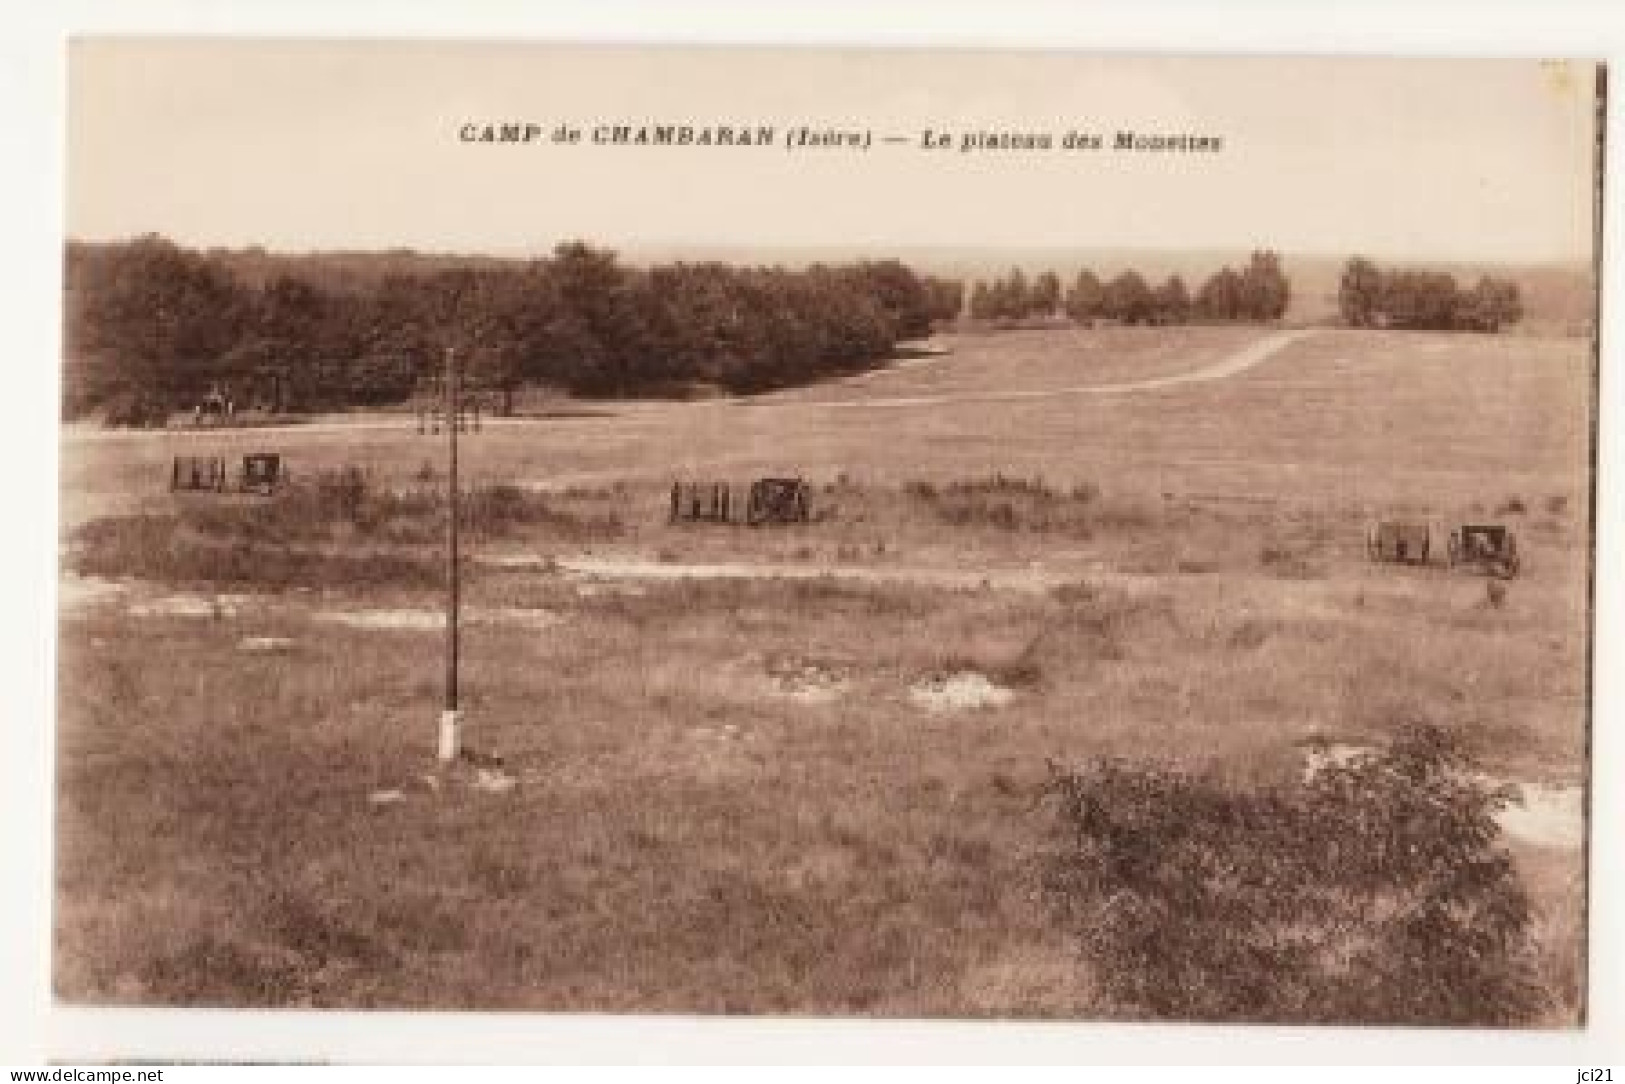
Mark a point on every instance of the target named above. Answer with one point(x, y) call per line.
point(214, 406)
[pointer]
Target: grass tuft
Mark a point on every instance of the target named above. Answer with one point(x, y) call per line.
point(344, 503)
point(160, 548)
point(1017, 504)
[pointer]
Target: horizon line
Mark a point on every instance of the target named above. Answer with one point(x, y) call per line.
point(543, 249)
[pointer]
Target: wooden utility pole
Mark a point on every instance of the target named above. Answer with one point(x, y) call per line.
point(451, 716)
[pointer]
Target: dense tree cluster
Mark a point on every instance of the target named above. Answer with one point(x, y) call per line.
point(1259, 291)
point(1424, 300)
point(1008, 299)
point(152, 326)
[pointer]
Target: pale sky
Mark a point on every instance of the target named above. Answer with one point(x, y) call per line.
point(322, 145)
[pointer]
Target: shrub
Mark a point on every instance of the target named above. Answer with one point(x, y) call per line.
point(595, 493)
point(921, 490)
point(1512, 506)
point(1373, 891)
point(1093, 625)
point(494, 509)
point(1085, 492)
point(1008, 503)
point(1024, 671)
point(1286, 562)
point(1250, 634)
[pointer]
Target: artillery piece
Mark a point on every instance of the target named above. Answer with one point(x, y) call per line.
point(1490, 548)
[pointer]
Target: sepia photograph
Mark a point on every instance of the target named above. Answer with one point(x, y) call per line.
point(945, 534)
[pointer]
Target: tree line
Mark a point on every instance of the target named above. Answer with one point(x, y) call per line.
point(153, 326)
point(1257, 292)
point(1369, 296)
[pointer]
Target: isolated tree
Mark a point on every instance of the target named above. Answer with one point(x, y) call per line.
point(1018, 298)
point(1264, 288)
point(1012, 298)
point(1220, 296)
point(1129, 298)
point(1046, 294)
point(1172, 303)
point(1359, 293)
point(1085, 301)
point(981, 302)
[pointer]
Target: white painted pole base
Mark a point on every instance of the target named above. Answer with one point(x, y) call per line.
point(451, 725)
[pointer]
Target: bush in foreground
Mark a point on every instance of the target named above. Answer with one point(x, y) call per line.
point(1372, 891)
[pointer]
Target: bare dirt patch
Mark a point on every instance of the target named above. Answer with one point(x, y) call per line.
point(189, 605)
point(806, 681)
point(1029, 580)
point(965, 690)
point(1547, 816)
point(386, 620)
point(266, 644)
point(76, 594)
point(407, 620)
point(515, 617)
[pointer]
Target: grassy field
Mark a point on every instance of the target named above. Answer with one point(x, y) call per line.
point(760, 795)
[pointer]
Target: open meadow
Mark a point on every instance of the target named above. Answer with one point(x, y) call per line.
point(801, 769)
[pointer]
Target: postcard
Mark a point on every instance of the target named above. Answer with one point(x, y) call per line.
point(849, 533)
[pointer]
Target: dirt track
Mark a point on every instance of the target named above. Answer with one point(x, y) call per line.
point(1018, 579)
point(1253, 354)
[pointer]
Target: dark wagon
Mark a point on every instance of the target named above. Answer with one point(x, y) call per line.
point(778, 500)
point(262, 472)
point(1490, 548)
point(1399, 543)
